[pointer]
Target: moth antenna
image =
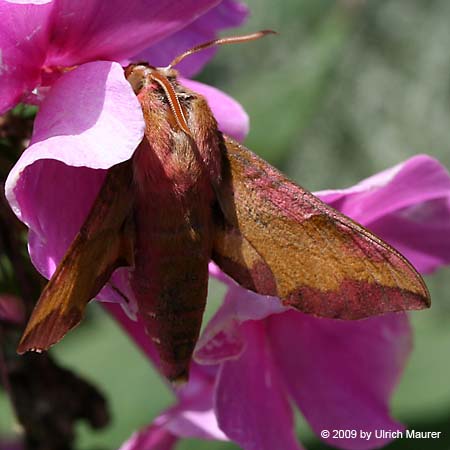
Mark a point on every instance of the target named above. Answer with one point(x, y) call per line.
point(220, 41)
point(173, 101)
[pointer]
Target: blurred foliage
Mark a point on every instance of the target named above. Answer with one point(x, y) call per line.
point(347, 89)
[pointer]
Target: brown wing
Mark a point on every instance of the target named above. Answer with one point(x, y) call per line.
point(278, 239)
point(103, 243)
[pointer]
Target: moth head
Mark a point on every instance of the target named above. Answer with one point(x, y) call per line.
point(141, 74)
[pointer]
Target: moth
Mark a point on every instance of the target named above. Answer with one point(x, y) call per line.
point(190, 195)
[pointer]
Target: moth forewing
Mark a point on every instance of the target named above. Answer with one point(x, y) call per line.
point(296, 247)
point(104, 242)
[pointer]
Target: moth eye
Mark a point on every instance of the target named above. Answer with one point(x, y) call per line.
point(136, 82)
point(137, 76)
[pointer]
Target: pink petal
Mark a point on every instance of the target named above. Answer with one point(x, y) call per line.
point(116, 30)
point(36, 37)
point(217, 273)
point(192, 417)
point(23, 43)
point(120, 281)
point(426, 243)
point(228, 14)
point(91, 118)
point(250, 403)
point(341, 374)
point(222, 338)
point(230, 115)
point(151, 438)
point(414, 181)
point(29, 2)
point(408, 206)
point(53, 200)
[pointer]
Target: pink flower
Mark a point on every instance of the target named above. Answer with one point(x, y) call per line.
point(41, 40)
point(90, 119)
point(256, 357)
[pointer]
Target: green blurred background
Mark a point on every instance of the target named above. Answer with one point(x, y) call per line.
point(347, 89)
